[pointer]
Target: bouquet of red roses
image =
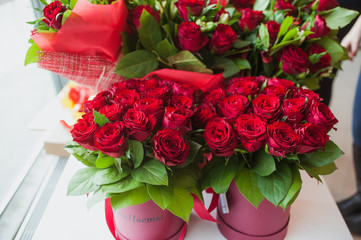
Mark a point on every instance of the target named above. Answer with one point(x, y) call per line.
point(260, 132)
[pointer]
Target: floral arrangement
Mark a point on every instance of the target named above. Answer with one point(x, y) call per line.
point(260, 132)
point(137, 139)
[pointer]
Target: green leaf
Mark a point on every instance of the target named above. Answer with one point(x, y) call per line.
point(100, 119)
point(315, 58)
point(193, 151)
point(230, 68)
point(276, 186)
point(263, 164)
point(149, 31)
point(184, 59)
point(333, 48)
point(126, 184)
point(161, 195)
point(97, 197)
point(223, 173)
point(321, 158)
point(73, 3)
point(136, 152)
point(290, 35)
point(44, 2)
point(137, 64)
point(294, 189)
point(165, 49)
point(246, 182)
point(104, 161)
point(181, 204)
point(65, 16)
point(152, 172)
point(261, 5)
point(186, 177)
point(82, 182)
point(242, 63)
point(129, 43)
point(196, 68)
point(109, 175)
point(284, 27)
point(327, 169)
point(340, 17)
point(241, 43)
point(312, 83)
point(264, 35)
point(134, 197)
point(31, 55)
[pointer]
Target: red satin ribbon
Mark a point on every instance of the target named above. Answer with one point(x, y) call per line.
point(201, 210)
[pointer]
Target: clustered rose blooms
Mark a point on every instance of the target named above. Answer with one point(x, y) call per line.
point(53, 14)
point(267, 112)
point(137, 12)
point(153, 111)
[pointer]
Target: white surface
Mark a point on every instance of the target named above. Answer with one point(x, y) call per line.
point(314, 215)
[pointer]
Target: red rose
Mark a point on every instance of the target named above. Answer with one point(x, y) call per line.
point(160, 92)
point(321, 114)
point(220, 137)
point(126, 97)
point(112, 112)
point(83, 131)
point(139, 124)
point(99, 101)
point(136, 13)
point(313, 137)
point(278, 81)
point(53, 14)
point(190, 37)
point(243, 87)
point(177, 118)
point(233, 106)
point(203, 114)
point(285, 5)
point(294, 109)
point(222, 39)
point(145, 85)
point(215, 96)
point(282, 139)
point(306, 93)
point(267, 106)
point(325, 5)
point(194, 6)
point(111, 139)
point(170, 147)
point(183, 89)
point(278, 90)
point(250, 19)
point(150, 106)
point(181, 101)
point(116, 87)
point(252, 131)
point(273, 28)
point(294, 60)
point(319, 28)
point(325, 60)
point(241, 4)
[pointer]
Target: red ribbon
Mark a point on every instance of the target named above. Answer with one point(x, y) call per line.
point(201, 210)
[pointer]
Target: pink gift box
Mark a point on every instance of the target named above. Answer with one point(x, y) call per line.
point(147, 221)
point(245, 222)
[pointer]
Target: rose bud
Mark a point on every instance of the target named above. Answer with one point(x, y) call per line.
point(111, 139)
point(113, 112)
point(321, 114)
point(294, 60)
point(313, 137)
point(273, 28)
point(251, 130)
point(325, 5)
point(190, 37)
point(150, 106)
point(268, 107)
point(215, 96)
point(222, 39)
point(241, 4)
point(126, 98)
point(194, 6)
point(139, 124)
point(219, 15)
point(325, 60)
point(170, 147)
point(285, 5)
point(319, 28)
point(250, 19)
point(294, 109)
point(53, 14)
point(99, 101)
point(282, 139)
point(136, 13)
point(177, 118)
point(220, 137)
point(83, 131)
point(203, 114)
point(243, 87)
point(233, 106)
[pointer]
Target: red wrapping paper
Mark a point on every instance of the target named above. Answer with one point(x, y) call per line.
point(91, 29)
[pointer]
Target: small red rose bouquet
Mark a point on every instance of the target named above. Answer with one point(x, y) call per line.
point(80, 40)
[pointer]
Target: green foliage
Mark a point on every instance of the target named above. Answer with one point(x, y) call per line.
point(339, 17)
point(161, 195)
point(264, 35)
point(149, 31)
point(263, 163)
point(136, 152)
point(130, 198)
point(82, 182)
point(100, 119)
point(181, 204)
point(294, 189)
point(166, 49)
point(109, 175)
point(124, 185)
point(31, 55)
point(333, 48)
point(152, 172)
